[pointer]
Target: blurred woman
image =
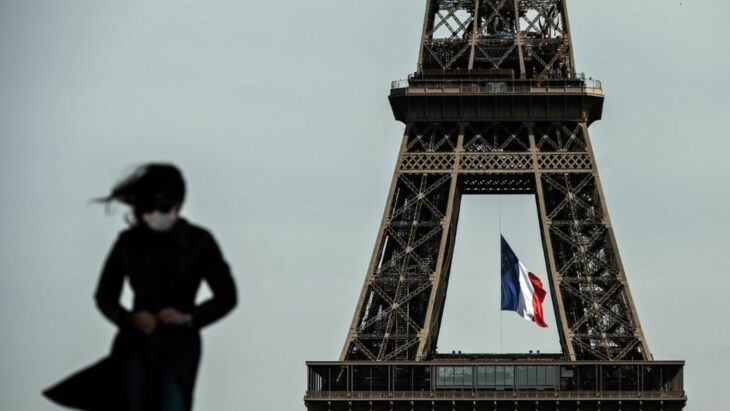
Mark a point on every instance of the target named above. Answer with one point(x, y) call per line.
point(155, 354)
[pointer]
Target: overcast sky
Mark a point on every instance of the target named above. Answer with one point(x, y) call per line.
point(277, 114)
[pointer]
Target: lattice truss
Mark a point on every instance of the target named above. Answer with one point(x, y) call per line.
point(446, 41)
point(496, 137)
point(392, 311)
point(600, 318)
point(401, 294)
point(528, 37)
point(560, 137)
point(495, 147)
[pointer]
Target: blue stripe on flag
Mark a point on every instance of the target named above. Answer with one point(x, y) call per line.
point(510, 278)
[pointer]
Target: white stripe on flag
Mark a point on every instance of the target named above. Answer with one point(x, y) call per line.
point(525, 309)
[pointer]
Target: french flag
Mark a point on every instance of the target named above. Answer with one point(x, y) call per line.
point(522, 291)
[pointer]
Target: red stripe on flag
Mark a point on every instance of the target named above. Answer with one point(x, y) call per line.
point(537, 300)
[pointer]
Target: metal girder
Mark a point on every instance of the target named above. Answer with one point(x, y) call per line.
point(530, 39)
point(393, 306)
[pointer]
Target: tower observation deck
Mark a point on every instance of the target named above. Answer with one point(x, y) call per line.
point(495, 107)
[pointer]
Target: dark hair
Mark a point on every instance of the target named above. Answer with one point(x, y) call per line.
point(149, 185)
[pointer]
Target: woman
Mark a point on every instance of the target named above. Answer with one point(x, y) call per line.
point(155, 355)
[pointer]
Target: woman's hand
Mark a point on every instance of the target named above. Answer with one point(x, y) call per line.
point(145, 322)
point(171, 316)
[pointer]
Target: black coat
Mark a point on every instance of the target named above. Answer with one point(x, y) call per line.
point(164, 270)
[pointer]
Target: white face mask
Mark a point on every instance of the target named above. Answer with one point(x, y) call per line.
point(159, 221)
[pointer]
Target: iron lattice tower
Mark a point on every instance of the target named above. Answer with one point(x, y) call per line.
point(525, 137)
point(495, 106)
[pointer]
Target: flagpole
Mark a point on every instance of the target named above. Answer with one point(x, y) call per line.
point(499, 213)
point(500, 332)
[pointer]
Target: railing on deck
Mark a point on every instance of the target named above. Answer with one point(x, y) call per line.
point(415, 85)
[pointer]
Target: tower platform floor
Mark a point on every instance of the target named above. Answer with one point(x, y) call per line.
point(499, 384)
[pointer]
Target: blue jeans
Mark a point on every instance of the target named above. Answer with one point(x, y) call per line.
point(151, 387)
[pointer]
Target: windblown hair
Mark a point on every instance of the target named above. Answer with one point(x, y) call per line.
point(148, 185)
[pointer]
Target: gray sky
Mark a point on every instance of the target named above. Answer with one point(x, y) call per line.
point(277, 114)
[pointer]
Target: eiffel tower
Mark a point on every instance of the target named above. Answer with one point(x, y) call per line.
point(495, 107)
